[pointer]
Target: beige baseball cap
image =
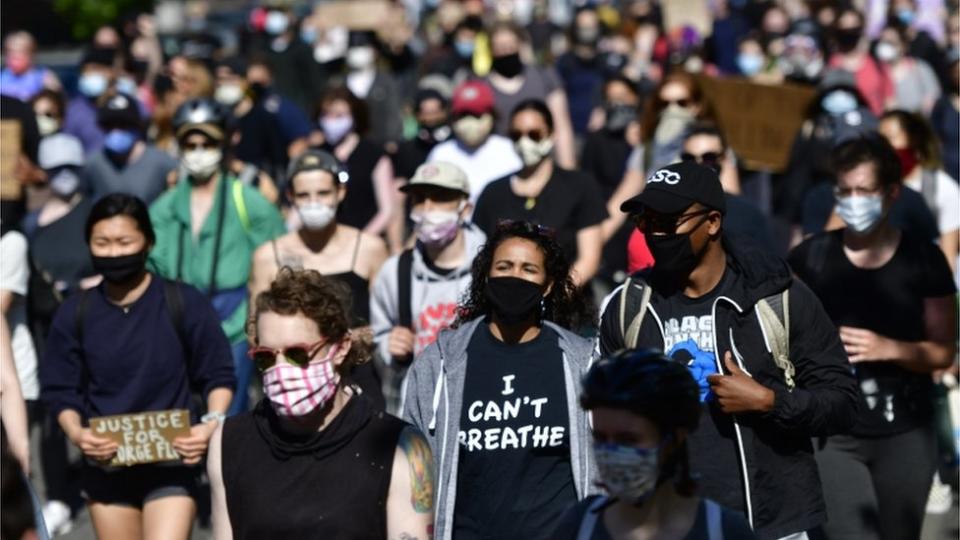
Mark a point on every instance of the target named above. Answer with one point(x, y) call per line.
point(440, 174)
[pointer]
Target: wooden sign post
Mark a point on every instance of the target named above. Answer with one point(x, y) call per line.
point(143, 437)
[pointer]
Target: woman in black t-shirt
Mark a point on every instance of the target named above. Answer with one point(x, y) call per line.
point(567, 201)
point(497, 395)
point(893, 297)
point(342, 119)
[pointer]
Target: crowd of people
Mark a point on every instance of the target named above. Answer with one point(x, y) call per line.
point(485, 270)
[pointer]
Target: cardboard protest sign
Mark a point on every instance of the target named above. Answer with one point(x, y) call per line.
point(359, 14)
point(143, 437)
point(9, 155)
point(695, 13)
point(759, 121)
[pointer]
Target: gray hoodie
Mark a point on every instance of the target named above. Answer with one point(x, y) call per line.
point(432, 401)
point(433, 299)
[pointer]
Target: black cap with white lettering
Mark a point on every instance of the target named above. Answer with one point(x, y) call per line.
point(672, 189)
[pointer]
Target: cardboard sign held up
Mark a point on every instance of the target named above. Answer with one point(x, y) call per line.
point(760, 121)
point(359, 14)
point(695, 13)
point(143, 437)
point(9, 156)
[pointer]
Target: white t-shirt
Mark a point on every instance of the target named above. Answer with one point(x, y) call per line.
point(947, 205)
point(494, 159)
point(14, 275)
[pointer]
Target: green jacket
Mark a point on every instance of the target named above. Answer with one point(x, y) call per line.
point(245, 226)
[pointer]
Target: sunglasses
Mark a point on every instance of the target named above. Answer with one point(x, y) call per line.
point(541, 230)
point(535, 135)
point(706, 158)
point(681, 102)
point(298, 354)
point(209, 145)
point(650, 223)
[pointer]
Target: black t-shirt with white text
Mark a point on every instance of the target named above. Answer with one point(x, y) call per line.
point(888, 300)
point(514, 476)
point(688, 338)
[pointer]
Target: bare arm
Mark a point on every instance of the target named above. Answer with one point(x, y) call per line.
point(13, 410)
point(218, 497)
point(563, 129)
point(410, 500)
point(631, 184)
point(950, 245)
point(395, 231)
point(936, 352)
point(374, 253)
point(262, 270)
point(383, 191)
point(589, 248)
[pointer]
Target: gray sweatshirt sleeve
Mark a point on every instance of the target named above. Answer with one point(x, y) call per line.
point(384, 313)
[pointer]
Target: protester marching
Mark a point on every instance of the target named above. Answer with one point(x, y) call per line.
point(480, 269)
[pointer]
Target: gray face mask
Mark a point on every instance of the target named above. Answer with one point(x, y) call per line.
point(65, 183)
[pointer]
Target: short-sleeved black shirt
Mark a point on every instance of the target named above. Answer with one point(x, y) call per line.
point(570, 201)
point(888, 300)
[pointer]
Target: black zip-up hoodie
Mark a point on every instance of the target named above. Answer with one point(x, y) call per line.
point(782, 484)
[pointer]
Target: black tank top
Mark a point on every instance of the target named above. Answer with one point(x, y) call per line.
point(328, 485)
point(360, 204)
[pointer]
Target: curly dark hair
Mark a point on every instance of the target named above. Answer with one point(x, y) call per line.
point(565, 305)
point(323, 300)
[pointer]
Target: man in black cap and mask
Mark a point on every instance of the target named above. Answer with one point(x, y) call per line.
point(770, 365)
point(126, 163)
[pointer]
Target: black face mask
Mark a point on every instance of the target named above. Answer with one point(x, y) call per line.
point(847, 40)
point(120, 270)
point(513, 300)
point(673, 254)
point(432, 134)
point(619, 117)
point(508, 65)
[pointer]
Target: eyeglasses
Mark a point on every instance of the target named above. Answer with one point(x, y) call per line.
point(298, 354)
point(535, 135)
point(685, 102)
point(529, 226)
point(659, 223)
point(706, 158)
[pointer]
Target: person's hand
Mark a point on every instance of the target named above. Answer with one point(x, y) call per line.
point(193, 447)
point(94, 446)
point(738, 392)
point(866, 346)
point(401, 341)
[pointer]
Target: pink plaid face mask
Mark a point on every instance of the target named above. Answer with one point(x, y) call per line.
point(298, 391)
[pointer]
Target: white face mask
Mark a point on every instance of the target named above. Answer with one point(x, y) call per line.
point(531, 152)
point(315, 216)
point(228, 94)
point(201, 164)
point(629, 473)
point(336, 128)
point(47, 125)
point(861, 213)
point(276, 23)
point(473, 131)
point(436, 228)
point(65, 183)
point(887, 52)
point(360, 57)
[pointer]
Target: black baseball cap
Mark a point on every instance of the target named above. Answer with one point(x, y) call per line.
point(672, 189)
point(119, 110)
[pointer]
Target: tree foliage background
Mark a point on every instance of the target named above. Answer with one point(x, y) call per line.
point(85, 16)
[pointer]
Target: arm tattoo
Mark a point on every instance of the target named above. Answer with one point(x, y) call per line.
point(420, 460)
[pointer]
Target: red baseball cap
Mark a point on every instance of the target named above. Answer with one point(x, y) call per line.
point(472, 97)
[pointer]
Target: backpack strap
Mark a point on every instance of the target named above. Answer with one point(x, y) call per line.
point(590, 517)
point(174, 299)
point(241, 205)
point(774, 314)
point(404, 295)
point(631, 332)
point(714, 520)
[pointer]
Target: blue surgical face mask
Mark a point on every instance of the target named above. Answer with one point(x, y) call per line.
point(126, 85)
point(308, 35)
point(839, 102)
point(906, 16)
point(119, 141)
point(92, 84)
point(464, 48)
point(749, 64)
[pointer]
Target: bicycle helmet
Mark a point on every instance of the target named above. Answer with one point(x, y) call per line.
point(203, 115)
